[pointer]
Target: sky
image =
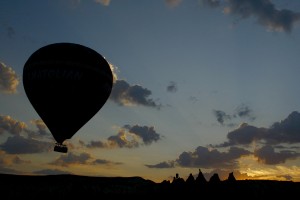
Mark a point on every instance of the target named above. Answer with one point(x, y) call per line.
point(210, 85)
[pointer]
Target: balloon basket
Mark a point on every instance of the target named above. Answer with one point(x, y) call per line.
point(60, 148)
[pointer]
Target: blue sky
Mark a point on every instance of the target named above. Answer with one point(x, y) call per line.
point(210, 85)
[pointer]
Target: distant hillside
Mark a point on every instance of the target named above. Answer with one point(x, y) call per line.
point(66, 186)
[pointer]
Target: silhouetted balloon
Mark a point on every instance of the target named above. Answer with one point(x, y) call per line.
point(67, 84)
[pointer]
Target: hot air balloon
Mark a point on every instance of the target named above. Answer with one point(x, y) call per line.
point(67, 84)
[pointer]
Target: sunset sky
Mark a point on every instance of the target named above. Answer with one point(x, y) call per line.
point(199, 84)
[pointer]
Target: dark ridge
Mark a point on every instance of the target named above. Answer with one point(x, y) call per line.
point(67, 186)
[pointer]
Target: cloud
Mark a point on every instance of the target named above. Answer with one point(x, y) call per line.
point(21, 145)
point(286, 177)
point(8, 79)
point(11, 125)
point(114, 69)
point(124, 139)
point(82, 159)
point(147, 134)
point(126, 95)
point(8, 159)
point(241, 112)
point(203, 157)
point(42, 128)
point(172, 87)
point(173, 3)
point(105, 162)
point(263, 10)
point(23, 140)
point(221, 116)
point(127, 137)
point(193, 99)
point(6, 170)
point(244, 135)
point(162, 165)
point(267, 155)
point(103, 2)
point(286, 131)
point(96, 144)
point(15, 127)
point(71, 158)
point(244, 111)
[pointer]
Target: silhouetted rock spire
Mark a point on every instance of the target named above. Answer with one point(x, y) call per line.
point(215, 178)
point(200, 178)
point(178, 180)
point(231, 177)
point(190, 180)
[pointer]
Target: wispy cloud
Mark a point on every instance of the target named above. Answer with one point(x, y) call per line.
point(242, 111)
point(221, 116)
point(162, 165)
point(264, 11)
point(172, 87)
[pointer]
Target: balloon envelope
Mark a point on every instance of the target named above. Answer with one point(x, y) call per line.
point(67, 84)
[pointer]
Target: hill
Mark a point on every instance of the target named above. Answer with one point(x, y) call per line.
point(66, 186)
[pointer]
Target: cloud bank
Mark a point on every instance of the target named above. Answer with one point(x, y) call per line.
point(285, 131)
point(81, 159)
point(272, 147)
point(24, 140)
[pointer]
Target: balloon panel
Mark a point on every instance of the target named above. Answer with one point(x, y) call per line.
point(67, 84)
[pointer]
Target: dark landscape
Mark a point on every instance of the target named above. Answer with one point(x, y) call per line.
point(66, 186)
